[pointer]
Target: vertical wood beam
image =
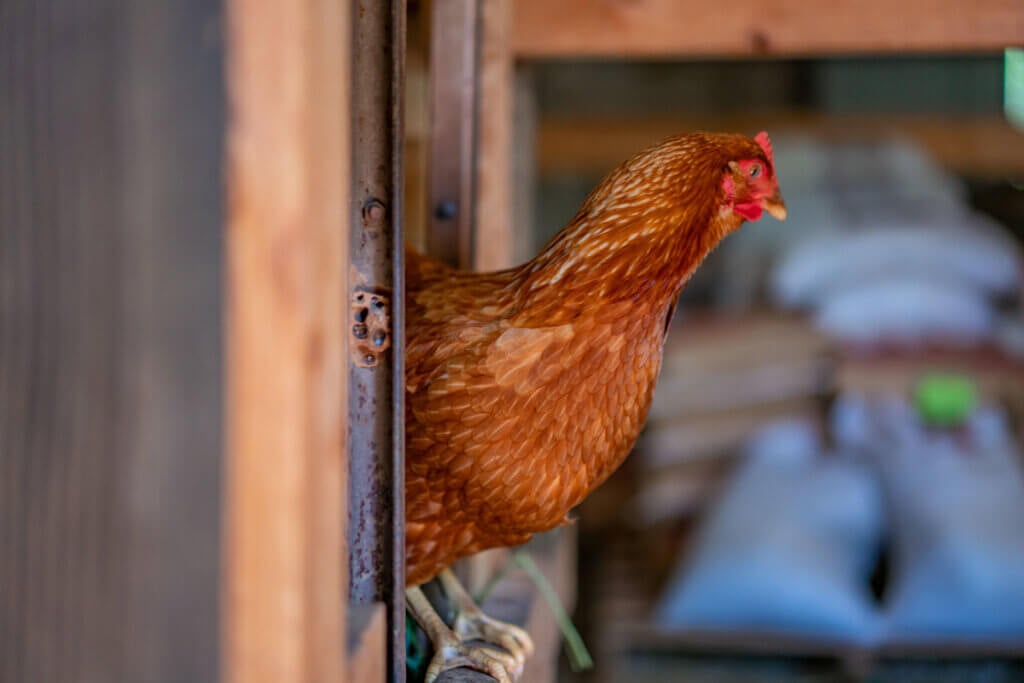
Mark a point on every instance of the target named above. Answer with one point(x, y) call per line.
point(454, 89)
point(288, 161)
point(505, 161)
point(494, 178)
point(417, 123)
point(524, 164)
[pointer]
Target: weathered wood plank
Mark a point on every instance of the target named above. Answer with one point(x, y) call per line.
point(974, 145)
point(494, 219)
point(454, 91)
point(288, 166)
point(692, 28)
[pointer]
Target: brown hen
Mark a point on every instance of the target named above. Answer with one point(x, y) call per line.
point(526, 388)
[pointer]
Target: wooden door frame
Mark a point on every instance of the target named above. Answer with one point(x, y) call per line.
point(286, 342)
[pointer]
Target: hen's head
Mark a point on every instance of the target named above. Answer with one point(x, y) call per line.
point(735, 171)
point(698, 179)
point(652, 220)
point(749, 184)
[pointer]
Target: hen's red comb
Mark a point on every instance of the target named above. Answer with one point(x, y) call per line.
point(766, 144)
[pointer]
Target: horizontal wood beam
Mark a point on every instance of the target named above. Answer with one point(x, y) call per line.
point(980, 146)
point(669, 29)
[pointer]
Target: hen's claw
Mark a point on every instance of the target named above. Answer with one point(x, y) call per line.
point(452, 650)
point(471, 622)
point(474, 624)
point(457, 653)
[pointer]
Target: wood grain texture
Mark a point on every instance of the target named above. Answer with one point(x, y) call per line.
point(417, 123)
point(495, 225)
point(454, 95)
point(983, 146)
point(111, 124)
point(524, 164)
point(367, 643)
point(694, 28)
point(287, 247)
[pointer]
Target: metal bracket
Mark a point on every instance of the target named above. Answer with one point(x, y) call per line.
point(370, 335)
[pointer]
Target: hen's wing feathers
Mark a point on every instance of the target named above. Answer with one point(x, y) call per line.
point(452, 317)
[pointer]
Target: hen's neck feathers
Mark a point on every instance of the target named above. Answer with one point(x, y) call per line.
point(638, 236)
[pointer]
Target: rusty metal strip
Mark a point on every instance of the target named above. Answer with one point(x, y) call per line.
point(376, 321)
point(455, 28)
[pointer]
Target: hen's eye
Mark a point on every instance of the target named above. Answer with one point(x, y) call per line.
point(755, 170)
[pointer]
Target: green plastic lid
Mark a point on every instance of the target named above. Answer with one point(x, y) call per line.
point(945, 400)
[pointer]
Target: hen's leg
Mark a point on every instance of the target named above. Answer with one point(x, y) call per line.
point(451, 651)
point(471, 622)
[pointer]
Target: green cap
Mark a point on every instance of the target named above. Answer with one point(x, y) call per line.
point(945, 400)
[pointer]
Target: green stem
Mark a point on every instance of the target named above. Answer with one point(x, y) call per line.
point(579, 656)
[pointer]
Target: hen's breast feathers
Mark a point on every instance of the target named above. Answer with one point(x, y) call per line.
point(508, 426)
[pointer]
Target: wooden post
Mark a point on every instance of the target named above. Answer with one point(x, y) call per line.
point(288, 162)
point(494, 217)
point(505, 163)
point(524, 165)
point(454, 88)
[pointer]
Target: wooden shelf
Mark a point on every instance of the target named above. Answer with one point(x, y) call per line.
point(672, 29)
point(981, 146)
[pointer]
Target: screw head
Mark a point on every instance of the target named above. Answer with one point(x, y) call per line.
point(374, 211)
point(446, 209)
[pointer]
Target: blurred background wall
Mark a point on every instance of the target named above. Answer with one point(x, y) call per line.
point(111, 138)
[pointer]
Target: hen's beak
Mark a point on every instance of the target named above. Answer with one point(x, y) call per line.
point(776, 206)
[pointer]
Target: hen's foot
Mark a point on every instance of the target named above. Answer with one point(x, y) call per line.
point(457, 653)
point(471, 622)
point(451, 650)
point(506, 636)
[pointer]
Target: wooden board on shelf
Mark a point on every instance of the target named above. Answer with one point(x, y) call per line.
point(690, 439)
point(982, 146)
point(669, 29)
point(998, 377)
